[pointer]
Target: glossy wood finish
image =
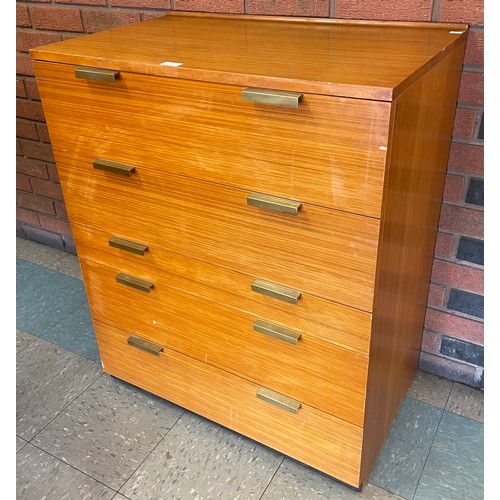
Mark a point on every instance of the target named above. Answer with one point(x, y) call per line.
point(292, 153)
point(325, 442)
point(314, 372)
point(320, 318)
point(319, 251)
point(364, 154)
point(331, 57)
point(423, 123)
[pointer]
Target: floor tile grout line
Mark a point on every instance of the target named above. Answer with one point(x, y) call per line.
point(449, 395)
point(152, 450)
point(58, 322)
point(38, 337)
point(75, 468)
point(28, 344)
point(64, 408)
point(456, 413)
point(272, 478)
point(446, 403)
point(429, 452)
point(49, 268)
point(41, 245)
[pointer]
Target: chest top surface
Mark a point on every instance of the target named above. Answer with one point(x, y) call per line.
point(362, 59)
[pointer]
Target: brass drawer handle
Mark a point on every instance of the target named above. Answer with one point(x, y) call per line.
point(282, 205)
point(271, 97)
point(128, 245)
point(279, 400)
point(276, 291)
point(276, 331)
point(97, 74)
point(133, 282)
point(114, 167)
point(145, 345)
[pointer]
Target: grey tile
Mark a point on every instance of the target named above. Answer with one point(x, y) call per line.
point(20, 442)
point(294, 480)
point(23, 339)
point(37, 253)
point(405, 450)
point(119, 497)
point(45, 299)
point(47, 379)
point(466, 401)
point(25, 270)
point(69, 264)
point(430, 389)
point(41, 476)
point(455, 467)
point(202, 460)
point(75, 333)
point(109, 430)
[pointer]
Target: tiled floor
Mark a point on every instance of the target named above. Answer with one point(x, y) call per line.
point(82, 434)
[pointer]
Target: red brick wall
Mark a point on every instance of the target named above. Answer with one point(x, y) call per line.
point(453, 338)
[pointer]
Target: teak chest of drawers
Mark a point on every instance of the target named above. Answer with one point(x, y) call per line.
point(254, 203)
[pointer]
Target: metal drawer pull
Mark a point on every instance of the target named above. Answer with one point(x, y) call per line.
point(276, 331)
point(114, 167)
point(128, 245)
point(272, 97)
point(133, 282)
point(274, 203)
point(279, 400)
point(145, 345)
point(276, 291)
point(97, 74)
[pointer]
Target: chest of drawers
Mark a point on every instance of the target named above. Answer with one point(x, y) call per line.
point(254, 203)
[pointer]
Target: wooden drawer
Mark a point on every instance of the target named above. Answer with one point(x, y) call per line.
point(330, 151)
point(322, 319)
point(321, 440)
point(320, 374)
point(320, 251)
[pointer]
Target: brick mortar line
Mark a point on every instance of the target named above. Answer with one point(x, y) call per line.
point(464, 174)
point(331, 9)
point(472, 68)
point(455, 233)
point(449, 287)
point(470, 142)
point(454, 313)
point(436, 7)
point(467, 105)
point(454, 260)
point(471, 206)
point(457, 360)
point(444, 259)
point(42, 196)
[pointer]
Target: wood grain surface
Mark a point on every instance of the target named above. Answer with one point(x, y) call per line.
point(332, 57)
point(322, 375)
point(320, 318)
point(323, 252)
point(365, 153)
point(330, 444)
point(423, 122)
point(330, 151)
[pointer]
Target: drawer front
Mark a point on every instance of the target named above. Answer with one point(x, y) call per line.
point(314, 437)
point(320, 251)
point(322, 319)
point(320, 374)
point(329, 151)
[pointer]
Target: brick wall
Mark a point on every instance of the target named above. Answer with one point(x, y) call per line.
point(453, 337)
